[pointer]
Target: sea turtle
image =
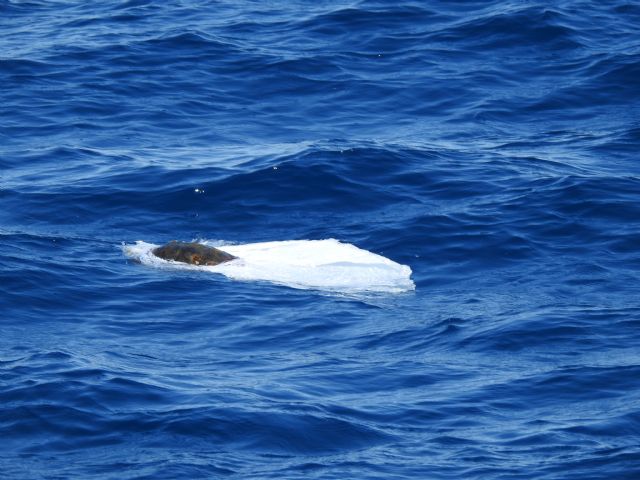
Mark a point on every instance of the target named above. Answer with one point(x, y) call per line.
point(192, 253)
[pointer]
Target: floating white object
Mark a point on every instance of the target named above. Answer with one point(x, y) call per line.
point(307, 264)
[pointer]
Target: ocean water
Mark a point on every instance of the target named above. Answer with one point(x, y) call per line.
point(492, 147)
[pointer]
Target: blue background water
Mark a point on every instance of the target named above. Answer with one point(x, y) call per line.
point(492, 146)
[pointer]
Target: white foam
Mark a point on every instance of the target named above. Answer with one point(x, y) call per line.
point(307, 264)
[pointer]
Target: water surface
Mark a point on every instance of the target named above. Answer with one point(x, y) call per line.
point(490, 146)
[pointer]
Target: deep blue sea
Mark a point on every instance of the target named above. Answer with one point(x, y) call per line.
point(491, 146)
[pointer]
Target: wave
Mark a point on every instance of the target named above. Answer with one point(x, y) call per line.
point(485, 151)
